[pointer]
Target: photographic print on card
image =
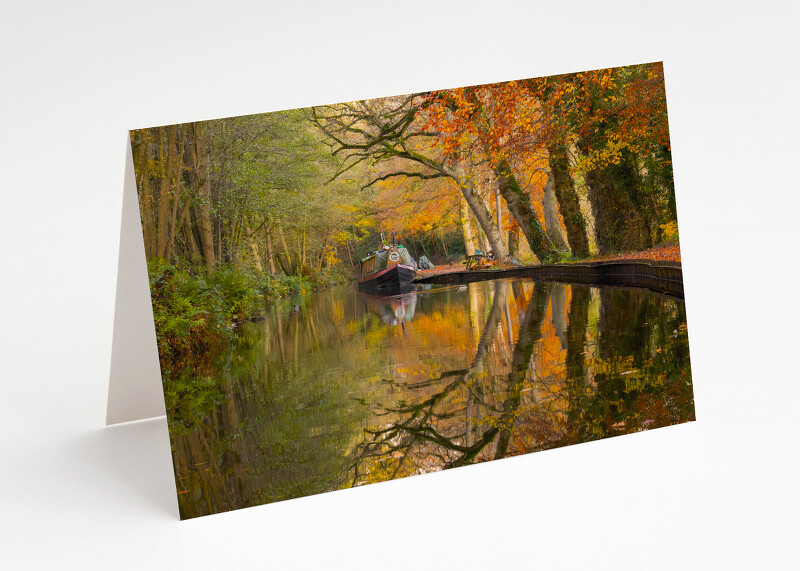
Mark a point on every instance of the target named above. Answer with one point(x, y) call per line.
point(358, 292)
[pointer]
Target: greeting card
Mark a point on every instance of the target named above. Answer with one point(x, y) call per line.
point(358, 292)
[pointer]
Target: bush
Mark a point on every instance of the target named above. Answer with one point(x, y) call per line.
point(189, 312)
point(195, 311)
point(277, 286)
point(328, 276)
point(241, 293)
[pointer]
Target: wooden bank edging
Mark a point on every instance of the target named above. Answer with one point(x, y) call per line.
point(663, 277)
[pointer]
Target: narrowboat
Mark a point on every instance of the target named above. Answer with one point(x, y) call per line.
point(389, 267)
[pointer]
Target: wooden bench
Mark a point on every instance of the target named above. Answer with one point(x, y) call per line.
point(478, 262)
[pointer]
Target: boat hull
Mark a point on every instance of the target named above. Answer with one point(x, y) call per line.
point(394, 276)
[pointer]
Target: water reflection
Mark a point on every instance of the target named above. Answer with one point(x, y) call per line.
point(348, 389)
point(393, 308)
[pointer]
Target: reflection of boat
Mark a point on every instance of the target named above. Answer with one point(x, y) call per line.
point(389, 267)
point(391, 291)
point(393, 309)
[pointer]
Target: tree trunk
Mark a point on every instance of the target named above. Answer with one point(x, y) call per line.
point(321, 261)
point(498, 210)
point(216, 227)
point(350, 254)
point(180, 141)
point(444, 246)
point(270, 253)
point(282, 265)
point(203, 190)
point(619, 227)
point(482, 214)
point(568, 202)
point(168, 137)
point(286, 252)
point(423, 248)
point(551, 223)
point(483, 243)
point(303, 264)
point(513, 242)
point(614, 192)
point(188, 234)
point(141, 161)
point(233, 235)
point(519, 206)
point(466, 228)
point(253, 245)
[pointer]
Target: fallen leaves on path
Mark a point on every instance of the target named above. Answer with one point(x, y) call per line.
point(671, 253)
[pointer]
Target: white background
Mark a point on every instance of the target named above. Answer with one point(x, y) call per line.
point(718, 493)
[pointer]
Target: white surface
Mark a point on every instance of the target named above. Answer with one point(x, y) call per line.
point(135, 391)
point(719, 493)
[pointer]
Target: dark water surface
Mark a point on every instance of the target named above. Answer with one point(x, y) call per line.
point(352, 388)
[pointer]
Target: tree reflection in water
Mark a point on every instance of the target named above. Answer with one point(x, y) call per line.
point(549, 397)
point(353, 389)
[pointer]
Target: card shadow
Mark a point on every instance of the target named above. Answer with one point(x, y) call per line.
point(133, 457)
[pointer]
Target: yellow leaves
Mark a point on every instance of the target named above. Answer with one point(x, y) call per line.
point(348, 208)
point(412, 207)
point(609, 154)
point(605, 80)
point(329, 255)
point(670, 230)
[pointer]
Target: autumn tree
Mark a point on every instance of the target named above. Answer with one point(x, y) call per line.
point(474, 124)
point(616, 119)
point(249, 192)
point(426, 213)
point(386, 133)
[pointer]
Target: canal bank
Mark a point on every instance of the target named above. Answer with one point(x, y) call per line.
point(661, 276)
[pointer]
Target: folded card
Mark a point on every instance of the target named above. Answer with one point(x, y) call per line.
point(357, 292)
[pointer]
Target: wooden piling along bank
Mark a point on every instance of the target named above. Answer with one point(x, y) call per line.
point(663, 277)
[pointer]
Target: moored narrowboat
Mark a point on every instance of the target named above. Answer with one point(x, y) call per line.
point(389, 267)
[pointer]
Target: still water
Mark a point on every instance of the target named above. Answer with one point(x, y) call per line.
point(339, 388)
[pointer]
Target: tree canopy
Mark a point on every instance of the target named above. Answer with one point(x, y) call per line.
point(534, 170)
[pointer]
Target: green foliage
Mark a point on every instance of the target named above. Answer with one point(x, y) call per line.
point(277, 286)
point(240, 292)
point(190, 313)
point(190, 399)
point(273, 171)
point(329, 276)
point(195, 311)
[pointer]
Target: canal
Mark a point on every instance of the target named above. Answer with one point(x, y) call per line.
point(339, 388)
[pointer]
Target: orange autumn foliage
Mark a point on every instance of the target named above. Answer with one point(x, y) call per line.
point(417, 208)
